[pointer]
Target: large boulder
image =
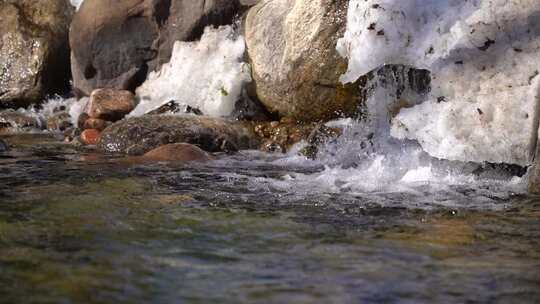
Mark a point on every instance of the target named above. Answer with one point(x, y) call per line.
point(34, 52)
point(138, 135)
point(116, 43)
point(296, 68)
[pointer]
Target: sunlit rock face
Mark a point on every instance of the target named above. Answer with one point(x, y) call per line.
point(292, 48)
point(34, 52)
point(484, 61)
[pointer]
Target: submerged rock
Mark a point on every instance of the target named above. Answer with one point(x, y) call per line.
point(116, 43)
point(138, 135)
point(180, 152)
point(3, 146)
point(110, 104)
point(34, 50)
point(296, 67)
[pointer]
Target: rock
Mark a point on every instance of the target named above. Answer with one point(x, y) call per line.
point(116, 43)
point(296, 68)
point(280, 136)
point(138, 135)
point(319, 136)
point(11, 121)
point(172, 107)
point(90, 136)
point(59, 122)
point(34, 51)
point(534, 174)
point(110, 104)
point(81, 121)
point(3, 146)
point(179, 152)
point(95, 123)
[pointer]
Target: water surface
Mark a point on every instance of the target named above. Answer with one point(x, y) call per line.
point(79, 227)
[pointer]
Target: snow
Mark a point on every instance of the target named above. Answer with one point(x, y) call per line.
point(483, 56)
point(208, 75)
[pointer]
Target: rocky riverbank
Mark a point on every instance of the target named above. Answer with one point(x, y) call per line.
point(227, 75)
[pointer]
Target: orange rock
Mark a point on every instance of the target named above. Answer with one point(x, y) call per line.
point(90, 136)
point(180, 152)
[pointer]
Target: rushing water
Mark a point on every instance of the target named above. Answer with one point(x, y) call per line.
point(76, 226)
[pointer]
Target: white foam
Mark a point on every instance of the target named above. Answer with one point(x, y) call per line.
point(208, 75)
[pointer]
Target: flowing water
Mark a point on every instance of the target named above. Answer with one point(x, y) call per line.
point(77, 226)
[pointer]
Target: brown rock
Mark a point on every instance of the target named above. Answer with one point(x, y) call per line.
point(95, 123)
point(110, 105)
point(180, 152)
point(82, 120)
point(90, 136)
point(138, 135)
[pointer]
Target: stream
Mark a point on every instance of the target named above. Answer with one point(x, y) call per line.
point(78, 226)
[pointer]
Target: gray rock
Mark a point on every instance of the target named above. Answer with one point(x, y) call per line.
point(138, 135)
point(116, 43)
point(296, 68)
point(34, 50)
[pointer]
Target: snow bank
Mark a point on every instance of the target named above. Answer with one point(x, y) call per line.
point(483, 55)
point(208, 75)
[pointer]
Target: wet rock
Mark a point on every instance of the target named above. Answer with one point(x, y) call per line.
point(116, 43)
point(3, 146)
point(110, 104)
point(173, 107)
point(179, 152)
point(59, 122)
point(534, 174)
point(280, 136)
point(95, 123)
point(34, 51)
point(138, 135)
point(296, 67)
point(71, 133)
point(90, 136)
point(83, 117)
point(11, 121)
point(319, 136)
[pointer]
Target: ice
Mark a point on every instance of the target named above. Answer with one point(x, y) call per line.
point(208, 75)
point(76, 3)
point(483, 57)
